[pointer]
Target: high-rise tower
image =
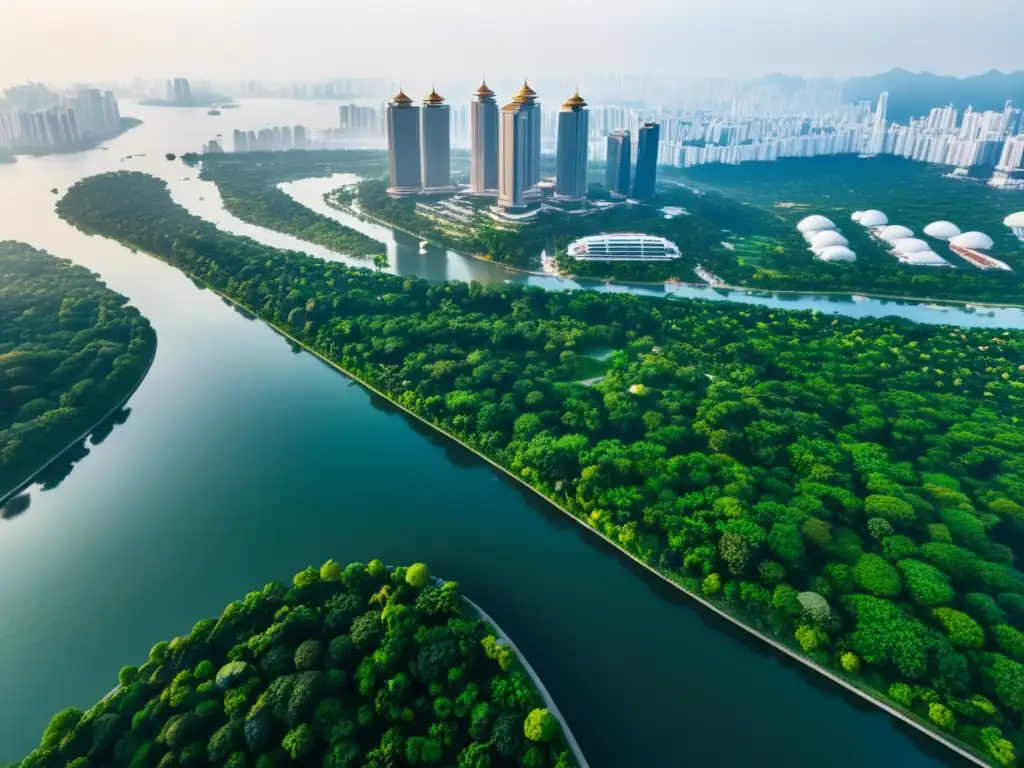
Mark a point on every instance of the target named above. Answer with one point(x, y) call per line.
point(646, 161)
point(483, 159)
point(403, 125)
point(571, 162)
point(618, 165)
point(512, 142)
point(529, 108)
point(436, 147)
point(876, 140)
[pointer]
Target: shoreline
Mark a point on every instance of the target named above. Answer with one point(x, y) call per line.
point(921, 300)
point(5, 497)
point(890, 708)
point(549, 702)
point(127, 124)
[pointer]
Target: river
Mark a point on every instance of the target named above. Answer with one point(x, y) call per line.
point(243, 461)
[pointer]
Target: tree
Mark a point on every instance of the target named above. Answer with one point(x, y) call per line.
point(309, 655)
point(1009, 640)
point(879, 528)
point(928, 585)
point(890, 508)
point(963, 631)
point(298, 742)
point(330, 571)
point(1007, 678)
point(734, 549)
point(418, 575)
point(712, 584)
point(540, 725)
point(850, 662)
point(127, 675)
point(942, 717)
point(902, 694)
point(875, 575)
point(60, 725)
point(380, 261)
point(810, 638)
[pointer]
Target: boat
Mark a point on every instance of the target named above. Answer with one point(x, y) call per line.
point(214, 112)
point(53, 191)
point(423, 246)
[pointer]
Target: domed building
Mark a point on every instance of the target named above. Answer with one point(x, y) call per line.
point(1015, 221)
point(975, 241)
point(910, 245)
point(855, 216)
point(815, 223)
point(942, 230)
point(872, 219)
point(895, 232)
point(927, 258)
point(826, 239)
point(837, 253)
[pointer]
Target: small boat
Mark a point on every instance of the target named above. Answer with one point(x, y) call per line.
point(423, 246)
point(213, 112)
point(53, 191)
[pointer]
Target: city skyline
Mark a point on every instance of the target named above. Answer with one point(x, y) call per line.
point(774, 38)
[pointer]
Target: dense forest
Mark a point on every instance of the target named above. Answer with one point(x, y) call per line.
point(355, 666)
point(248, 186)
point(853, 487)
point(70, 350)
point(778, 195)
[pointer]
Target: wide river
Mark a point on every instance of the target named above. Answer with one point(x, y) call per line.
point(242, 461)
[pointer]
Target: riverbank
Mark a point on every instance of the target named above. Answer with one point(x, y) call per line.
point(127, 123)
point(850, 685)
point(21, 486)
point(549, 701)
point(852, 296)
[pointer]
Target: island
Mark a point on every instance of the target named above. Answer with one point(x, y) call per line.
point(72, 351)
point(125, 124)
point(848, 490)
point(248, 184)
point(349, 666)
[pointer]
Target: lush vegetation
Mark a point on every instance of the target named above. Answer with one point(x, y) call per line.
point(773, 197)
point(70, 350)
point(354, 666)
point(852, 487)
point(248, 186)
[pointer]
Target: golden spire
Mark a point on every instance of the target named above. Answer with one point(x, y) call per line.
point(400, 97)
point(575, 101)
point(483, 90)
point(433, 97)
point(526, 93)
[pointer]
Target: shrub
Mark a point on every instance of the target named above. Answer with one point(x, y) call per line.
point(418, 575)
point(540, 725)
point(876, 575)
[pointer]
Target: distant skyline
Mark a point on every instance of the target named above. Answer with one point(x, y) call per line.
point(105, 40)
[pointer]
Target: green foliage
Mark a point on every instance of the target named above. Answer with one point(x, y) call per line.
point(850, 662)
point(540, 725)
point(963, 631)
point(434, 688)
point(941, 716)
point(1009, 640)
point(418, 575)
point(902, 694)
point(928, 585)
point(889, 508)
point(810, 638)
point(127, 675)
point(330, 571)
point(71, 349)
point(876, 575)
point(712, 584)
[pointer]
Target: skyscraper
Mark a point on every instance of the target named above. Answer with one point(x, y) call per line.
point(646, 161)
point(876, 140)
point(529, 110)
point(512, 142)
point(483, 158)
point(571, 162)
point(403, 126)
point(436, 144)
point(617, 169)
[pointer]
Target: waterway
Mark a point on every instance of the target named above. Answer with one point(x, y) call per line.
point(240, 460)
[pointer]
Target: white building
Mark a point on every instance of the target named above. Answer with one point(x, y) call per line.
point(623, 246)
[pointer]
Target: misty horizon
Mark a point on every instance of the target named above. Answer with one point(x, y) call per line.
point(229, 40)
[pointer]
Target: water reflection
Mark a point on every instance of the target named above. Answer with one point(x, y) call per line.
point(105, 427)
point(15, 506)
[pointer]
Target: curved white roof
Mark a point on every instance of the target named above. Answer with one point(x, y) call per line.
point(942, 230)
point(976, 241)
point(815, 223)
point(895, 232)
point(837, 253)
point(924, 259)
point(873, 218)
point(1015, 219)
point(826, 239)
point(910, 245)
point(856, 215)
point(623, 246)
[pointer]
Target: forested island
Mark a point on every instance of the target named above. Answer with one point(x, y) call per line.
point(248, 186)
point(350, 666)
point(71, 351)
point(851, 487)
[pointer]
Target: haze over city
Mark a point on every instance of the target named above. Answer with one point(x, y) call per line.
point(66, 40)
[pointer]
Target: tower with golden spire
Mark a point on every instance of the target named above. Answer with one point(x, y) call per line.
point(403, 128)
point(483, 127)
point(571, 161)
point(436, 146)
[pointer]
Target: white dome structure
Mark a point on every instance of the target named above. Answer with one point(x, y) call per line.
point(942, 230)
point(895, 232)
point(855, 216)
point(872, 219)
point(924, 259)
point(826, 239)
point(976, 241)
point(910, 245)
point(837, 253)
point(815, 224)
point(1015, 221)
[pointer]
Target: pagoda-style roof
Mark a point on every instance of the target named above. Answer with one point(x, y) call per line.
point(401, 98)
point(575, 101)
point(526, 94)
point(433, 97)
point(483, 90)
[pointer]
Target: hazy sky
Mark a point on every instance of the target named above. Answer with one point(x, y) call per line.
point(291, 39)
